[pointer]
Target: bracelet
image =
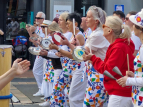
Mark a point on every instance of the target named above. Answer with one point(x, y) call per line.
point(59, 49)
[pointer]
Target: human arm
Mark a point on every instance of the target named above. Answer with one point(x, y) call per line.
point(49, 54)
point(18, 68)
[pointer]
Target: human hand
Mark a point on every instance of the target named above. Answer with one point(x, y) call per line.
point(87, 56)
point(19, 66)
point(32, 29)
point(53, 46)
point(75, 42)
point(122, 81)
point(129, 74)
point(58, 54)
point(64, 41)
point(1, 32)
point(43, 52)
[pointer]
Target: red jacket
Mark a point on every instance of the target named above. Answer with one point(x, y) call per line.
point(116, 56)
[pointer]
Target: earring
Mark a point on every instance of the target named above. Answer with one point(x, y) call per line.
point(77, 28)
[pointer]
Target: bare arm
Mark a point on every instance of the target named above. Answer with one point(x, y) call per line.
point(18, 68)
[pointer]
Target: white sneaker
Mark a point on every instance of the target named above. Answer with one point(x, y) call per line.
point(38, 94)
point(45, 104)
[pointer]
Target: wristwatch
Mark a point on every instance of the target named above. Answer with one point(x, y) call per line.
point(59, 49)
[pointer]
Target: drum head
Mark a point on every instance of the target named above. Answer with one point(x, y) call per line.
point(57, 38)
point(45, 43)
point(78, 53)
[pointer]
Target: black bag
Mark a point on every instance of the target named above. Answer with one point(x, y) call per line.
point(20, 49)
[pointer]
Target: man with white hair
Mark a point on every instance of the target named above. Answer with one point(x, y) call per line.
point(38, 64)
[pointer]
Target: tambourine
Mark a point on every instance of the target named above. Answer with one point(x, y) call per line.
point(57, 37)
point(78, 53)
point(34, 50)
point(45, 43)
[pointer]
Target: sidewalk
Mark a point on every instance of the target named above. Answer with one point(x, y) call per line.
point(23, 87)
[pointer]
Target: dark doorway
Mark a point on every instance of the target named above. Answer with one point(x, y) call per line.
point(81, 6)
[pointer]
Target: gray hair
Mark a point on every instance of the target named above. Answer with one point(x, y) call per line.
point(43, 14)
point(98, 14)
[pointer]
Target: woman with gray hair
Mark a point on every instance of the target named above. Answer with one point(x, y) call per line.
point(120, 50)
point(96, 44)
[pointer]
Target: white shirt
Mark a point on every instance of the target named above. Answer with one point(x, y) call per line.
point(98, 43)
point(87, 33)
point(39, 32)
point(68, 35)
point(137, 81)
point(136, 41)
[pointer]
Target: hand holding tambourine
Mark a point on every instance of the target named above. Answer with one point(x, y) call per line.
point(64, 41)
point(43, 52)
point(53, 46)
point(87, 56)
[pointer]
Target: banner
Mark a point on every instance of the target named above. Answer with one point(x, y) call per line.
point(59, 9)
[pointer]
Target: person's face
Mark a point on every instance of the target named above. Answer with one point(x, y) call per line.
point(70, 25)
point(106, 30)
point(127, 21)
point(90, 21)
point(39, 19)
point(137, 30)
point(62, 23)
point(43, 29)
point(51, 32)
point(123, 20)
point(83, 23)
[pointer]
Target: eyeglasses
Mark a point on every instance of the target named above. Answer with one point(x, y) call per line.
point(38, 18)
point(43, 26)
point(103, 26)
point(127, 18)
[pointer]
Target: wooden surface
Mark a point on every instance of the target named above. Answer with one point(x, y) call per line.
point(5, 65)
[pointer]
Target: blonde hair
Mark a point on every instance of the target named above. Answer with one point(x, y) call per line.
point(120, 30)
point(64, 15)
point(54, 27)
point(98, 14)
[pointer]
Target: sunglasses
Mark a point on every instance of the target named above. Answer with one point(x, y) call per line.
point(103, 26)
point(38, 18)
point(44, 26)
point(127, 18)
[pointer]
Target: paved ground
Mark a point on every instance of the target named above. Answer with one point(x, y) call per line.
point(23, 87)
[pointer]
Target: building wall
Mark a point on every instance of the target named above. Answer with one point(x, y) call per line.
point(129, 5)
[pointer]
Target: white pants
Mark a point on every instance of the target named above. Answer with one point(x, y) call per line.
point(38, 70)
point(47, 88)
point(57, 72)
point(77, 89)
point(119, 101)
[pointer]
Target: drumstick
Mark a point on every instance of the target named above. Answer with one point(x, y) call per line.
point(128, 62)
point(74, 27)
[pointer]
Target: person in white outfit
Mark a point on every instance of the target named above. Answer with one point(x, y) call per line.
point(86, 29)
point(38, 64)
point(134, 38)
point(131, 79)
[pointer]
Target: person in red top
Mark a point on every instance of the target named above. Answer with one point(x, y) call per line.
point(118, 36)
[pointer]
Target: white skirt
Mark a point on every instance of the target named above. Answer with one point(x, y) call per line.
point(47, 88)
